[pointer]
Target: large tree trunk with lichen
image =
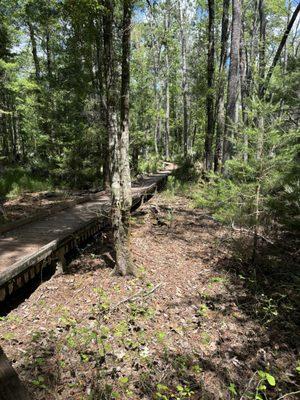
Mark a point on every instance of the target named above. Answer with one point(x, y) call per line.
point(124, 264)
point(118, 136)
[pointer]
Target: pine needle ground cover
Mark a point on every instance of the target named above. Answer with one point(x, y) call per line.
point(197, 322)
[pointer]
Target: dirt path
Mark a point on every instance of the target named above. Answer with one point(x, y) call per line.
point(185, 327)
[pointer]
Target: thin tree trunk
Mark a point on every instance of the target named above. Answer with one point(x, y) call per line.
point(157, 117)
point(210, 86)
point(156, 45)
point(34, 51)
point(233, 81)
point(102, 104)
point(262, 43)
point(251, 56)
point(279, 50)
point(220, 106)
point(184, 84)
point(48, 55)
point(167, 88)
point(256, 226)
point(261, 70)
point(243, 72)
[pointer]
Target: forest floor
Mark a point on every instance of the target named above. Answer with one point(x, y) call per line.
point(195, 323)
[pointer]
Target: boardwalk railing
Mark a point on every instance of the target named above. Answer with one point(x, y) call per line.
point(25, 251)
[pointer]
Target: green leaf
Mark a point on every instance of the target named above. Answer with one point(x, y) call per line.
point(271, 380)
point(123, 380)
point(162, 388)
point(232, 389)
point(262, 387)
point(262, 374)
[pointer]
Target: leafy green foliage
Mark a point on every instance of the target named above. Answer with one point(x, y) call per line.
point(16, 181)
point(272, 166)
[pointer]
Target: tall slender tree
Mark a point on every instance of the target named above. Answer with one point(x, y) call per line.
point(167, 85)
point(233, 81)
point(184, 77)
point(210, 87)
point(220, 104)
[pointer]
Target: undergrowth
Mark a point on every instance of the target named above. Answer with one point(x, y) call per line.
point(150, 165)
point(16, 181)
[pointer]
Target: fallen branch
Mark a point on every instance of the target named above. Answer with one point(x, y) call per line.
point(249, 231)
point(135, 296)
point(288, 394)
point(248, 385)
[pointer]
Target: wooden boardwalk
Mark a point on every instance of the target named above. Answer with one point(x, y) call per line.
point(26, 250)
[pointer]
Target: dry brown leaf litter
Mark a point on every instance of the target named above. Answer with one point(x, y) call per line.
point(191, 337)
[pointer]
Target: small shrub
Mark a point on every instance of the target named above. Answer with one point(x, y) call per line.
point(150, 165)
point(16, 181)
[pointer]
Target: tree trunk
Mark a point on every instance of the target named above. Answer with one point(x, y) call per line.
point(262, 43)
point(251, 54)
point(243, 73)
point(184, 84)
point(124, 264)
point(34, 51)
point(118, 137)
point(220, 106)
point(48, 55)
point(233, 81)
point(102, 105)
point(11, 387)
point(279, 50)
point(167, 88)
point(261, 71)
point(210, 86)
point(112, 133)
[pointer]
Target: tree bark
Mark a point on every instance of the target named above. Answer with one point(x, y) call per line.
point(124, 263)
point(118, 136)
point(11, 387)
point(184, 83)
point(243, 74)
point(251, 54)
point(233, 81)
point(220, 106)
point(102, 104)
point(34, 51)
point(167, 88)
point(112, 133)
point(210, 86)
point(261, 71)
point(279, 50)
point(48, 55)
point(262, 42)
